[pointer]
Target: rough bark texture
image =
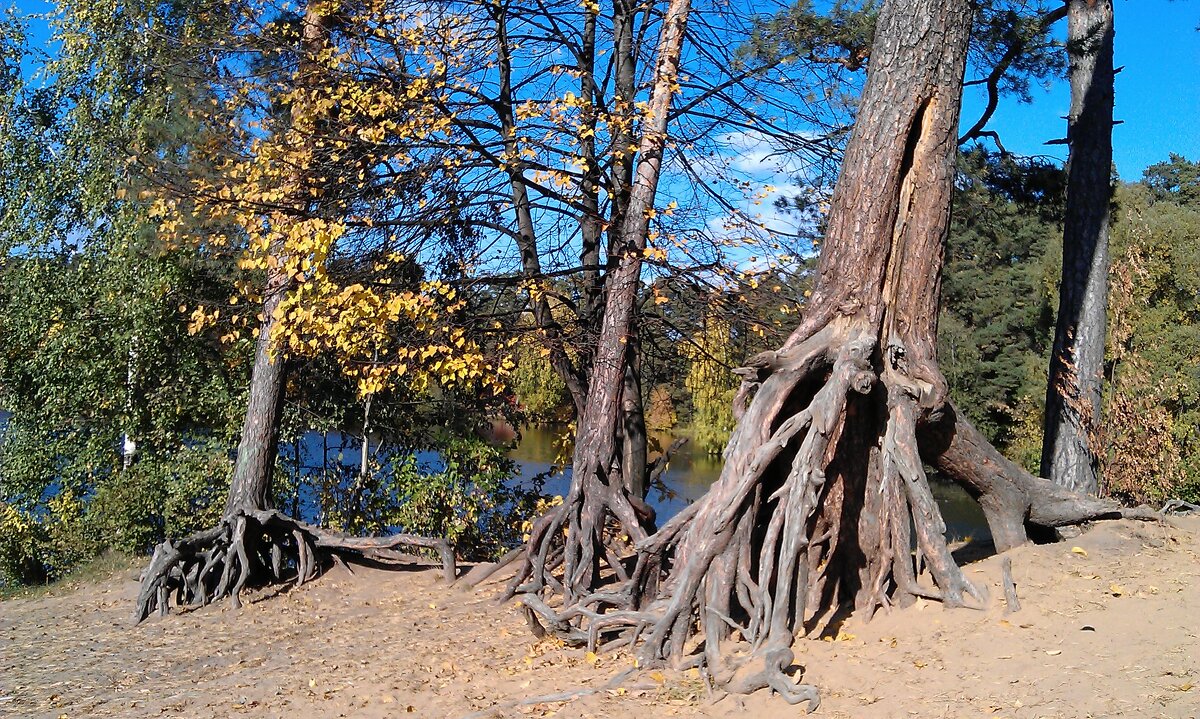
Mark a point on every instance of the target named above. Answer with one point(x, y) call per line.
point(599, 492)
point(823, 504)
point(1077, 362)
point(250, 487)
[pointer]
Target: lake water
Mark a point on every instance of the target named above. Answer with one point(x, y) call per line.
point(692, 473)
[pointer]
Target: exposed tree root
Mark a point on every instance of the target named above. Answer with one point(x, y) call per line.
point(1178, 506)
point(259, 547)
point(568, 545)
point(592, 532)
point(823, 504)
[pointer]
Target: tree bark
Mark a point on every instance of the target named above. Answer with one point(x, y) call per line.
point(1073, 395)
point(250, 487)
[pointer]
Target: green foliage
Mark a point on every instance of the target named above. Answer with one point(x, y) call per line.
point(842, 34)
point(160, 497)
point(1176, 180)
point(470, 499)
point(711, 384)
point(1152, 427)
point(998, 296)
point(172, 494)
point(539, 390)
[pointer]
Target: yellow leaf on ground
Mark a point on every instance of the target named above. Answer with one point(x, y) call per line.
point(1080, 551)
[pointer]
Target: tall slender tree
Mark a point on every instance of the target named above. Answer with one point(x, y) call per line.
point(597, 492)
point(319, 159)
point(1073, 395)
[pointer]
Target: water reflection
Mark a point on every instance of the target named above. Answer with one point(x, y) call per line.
point(692, 473)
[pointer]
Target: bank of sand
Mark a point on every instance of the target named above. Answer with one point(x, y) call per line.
point(1108, 627)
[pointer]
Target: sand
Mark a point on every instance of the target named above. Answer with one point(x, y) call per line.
point(1108, 628)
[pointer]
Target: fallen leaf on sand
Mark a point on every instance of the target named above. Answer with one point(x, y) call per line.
point(1080, 551)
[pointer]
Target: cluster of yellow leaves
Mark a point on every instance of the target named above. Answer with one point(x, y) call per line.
point(284, 195)
point(357, 324)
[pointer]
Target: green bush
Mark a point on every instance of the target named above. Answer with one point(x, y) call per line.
point(130, 510)
point(471, 500)
point(159, 497)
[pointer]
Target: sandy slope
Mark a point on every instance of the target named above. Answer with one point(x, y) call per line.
point(1109, 631)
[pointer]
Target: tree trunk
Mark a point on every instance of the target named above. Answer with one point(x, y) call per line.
point(598, 492)
point(823, 503)
point(634, 452)
point(1073, 395)
point(526, 237)
point(250, 488)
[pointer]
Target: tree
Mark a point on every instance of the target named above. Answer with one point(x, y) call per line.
point(710, 383)
point(597, 492)
point(1073, 394)
point(824, 472)
point(315, 186)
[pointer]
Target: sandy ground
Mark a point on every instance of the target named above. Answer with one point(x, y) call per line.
point(1108, 628)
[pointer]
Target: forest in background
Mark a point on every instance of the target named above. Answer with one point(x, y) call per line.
point(132, 216)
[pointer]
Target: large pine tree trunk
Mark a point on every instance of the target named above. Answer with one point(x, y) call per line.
point(823, 503)
point(1073, 395)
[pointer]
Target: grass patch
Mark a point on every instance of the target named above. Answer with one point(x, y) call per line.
point(101, 569)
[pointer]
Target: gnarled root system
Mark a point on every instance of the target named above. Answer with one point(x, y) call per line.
point(823, 506)
point(260, 547)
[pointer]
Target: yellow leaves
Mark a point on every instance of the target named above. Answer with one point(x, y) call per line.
point(200, 319)
point(656, 254)
point(1080, 551)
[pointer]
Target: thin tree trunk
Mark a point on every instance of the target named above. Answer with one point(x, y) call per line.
point(634, 452)
point(596, 492)
point(250, 488)
point(1073, 395)
point(527, 244)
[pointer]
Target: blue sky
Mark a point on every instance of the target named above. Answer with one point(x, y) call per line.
point(1157, 94)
